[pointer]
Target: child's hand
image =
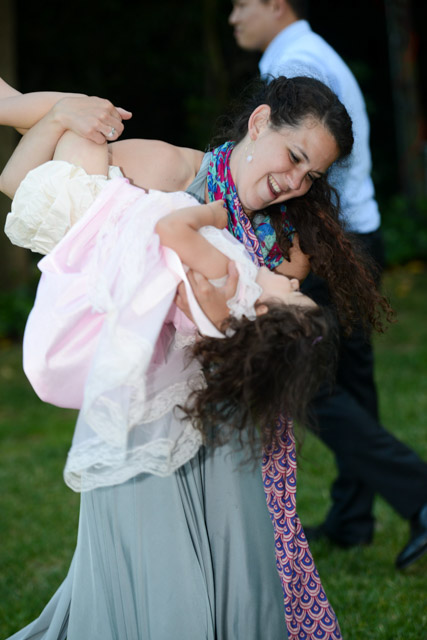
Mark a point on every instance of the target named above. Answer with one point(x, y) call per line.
point(219, 211)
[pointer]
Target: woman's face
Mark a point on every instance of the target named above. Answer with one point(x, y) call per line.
point(285, 162)
point(279, 287)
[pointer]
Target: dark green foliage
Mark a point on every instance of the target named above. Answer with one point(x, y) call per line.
point(14, 309)
point(405, 230)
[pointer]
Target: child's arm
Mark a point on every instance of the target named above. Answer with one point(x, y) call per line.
point(179, 231)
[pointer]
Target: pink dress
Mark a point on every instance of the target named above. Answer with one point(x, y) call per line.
point(104, 336)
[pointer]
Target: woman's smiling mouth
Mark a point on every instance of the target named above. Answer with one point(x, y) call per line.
point(274, 187)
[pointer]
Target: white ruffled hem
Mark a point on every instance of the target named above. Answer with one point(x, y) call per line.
point(49, 201)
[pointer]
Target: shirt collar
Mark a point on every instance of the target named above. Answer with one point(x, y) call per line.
point(283, 40)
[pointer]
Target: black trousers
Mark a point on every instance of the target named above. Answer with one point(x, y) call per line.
point(370, 460)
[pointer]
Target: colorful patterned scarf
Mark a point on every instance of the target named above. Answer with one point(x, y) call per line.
point(308, 613)
point(221, 185)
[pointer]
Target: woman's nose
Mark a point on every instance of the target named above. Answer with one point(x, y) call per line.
point(295, 179)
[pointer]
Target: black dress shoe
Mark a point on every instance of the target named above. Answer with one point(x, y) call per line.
point(417, 545)
point(321, 533)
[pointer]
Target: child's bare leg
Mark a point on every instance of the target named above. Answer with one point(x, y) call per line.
point(92, 157)
point(41, 143)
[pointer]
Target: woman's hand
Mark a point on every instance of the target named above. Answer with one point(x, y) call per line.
point(90, 117)
point(212, 300)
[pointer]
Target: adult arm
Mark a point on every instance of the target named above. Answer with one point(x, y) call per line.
point(89, 117)
point(152, 164)
point(147, 163)
point(23, 111)
point(213, 300)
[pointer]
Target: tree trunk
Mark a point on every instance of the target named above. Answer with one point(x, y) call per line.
point(403, 57)
point(13, 261)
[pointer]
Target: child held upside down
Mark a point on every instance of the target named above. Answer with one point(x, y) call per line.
point(105, 335)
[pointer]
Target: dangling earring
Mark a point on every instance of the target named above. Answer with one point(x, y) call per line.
point(249, 151)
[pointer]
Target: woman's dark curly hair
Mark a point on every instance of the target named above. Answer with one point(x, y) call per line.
point(333, 254)
point(260, 370)
point(291, 102)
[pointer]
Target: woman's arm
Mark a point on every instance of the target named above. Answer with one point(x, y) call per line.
point(156, 165)
point(23, 110)
point(147, 163)
point(213, 300)
point(6, 91)
point(92, 118)
point(180, 231)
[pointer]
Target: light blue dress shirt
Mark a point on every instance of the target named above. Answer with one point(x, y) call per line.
point(297, 50)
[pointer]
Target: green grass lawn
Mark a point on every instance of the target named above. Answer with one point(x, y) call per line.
point(39, 514)
point(372, 600)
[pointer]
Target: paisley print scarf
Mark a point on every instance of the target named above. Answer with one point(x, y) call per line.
point(258, 236)
point(308, 613)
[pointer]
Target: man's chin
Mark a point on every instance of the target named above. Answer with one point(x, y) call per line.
point(241, 42)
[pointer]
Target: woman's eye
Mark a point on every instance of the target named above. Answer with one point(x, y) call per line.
point(294, 158)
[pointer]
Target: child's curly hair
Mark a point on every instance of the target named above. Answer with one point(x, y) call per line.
point(261, 369)
point(335, 256)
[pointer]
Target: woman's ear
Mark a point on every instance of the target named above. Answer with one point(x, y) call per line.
point(258, 121)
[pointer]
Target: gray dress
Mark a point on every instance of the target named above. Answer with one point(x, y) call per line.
point(186, 557)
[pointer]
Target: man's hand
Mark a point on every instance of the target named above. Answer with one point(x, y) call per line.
point(212, 300)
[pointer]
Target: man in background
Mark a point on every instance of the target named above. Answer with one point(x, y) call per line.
point(370, 460)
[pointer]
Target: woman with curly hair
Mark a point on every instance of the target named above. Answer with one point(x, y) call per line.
point(192, 554)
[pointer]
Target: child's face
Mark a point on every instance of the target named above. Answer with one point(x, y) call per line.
point(279, 287)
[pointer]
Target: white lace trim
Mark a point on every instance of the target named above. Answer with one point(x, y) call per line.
point(183, 340)
point(164, 401)
point(160, 457)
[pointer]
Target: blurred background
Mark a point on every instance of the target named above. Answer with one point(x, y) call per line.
point(176, 67)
